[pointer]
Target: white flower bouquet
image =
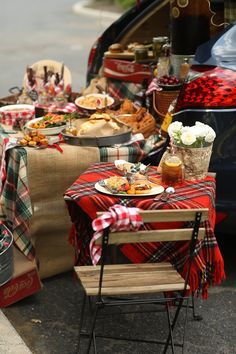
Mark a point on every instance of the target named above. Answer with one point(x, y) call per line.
point(197, 136)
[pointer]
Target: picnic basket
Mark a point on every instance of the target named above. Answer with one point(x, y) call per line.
point(161, 102)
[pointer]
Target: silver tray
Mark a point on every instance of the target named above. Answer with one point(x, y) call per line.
point(98, 140)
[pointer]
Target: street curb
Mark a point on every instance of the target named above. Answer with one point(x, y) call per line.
point(80, 8)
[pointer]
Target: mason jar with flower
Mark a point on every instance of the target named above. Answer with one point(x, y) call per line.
point(194, 144)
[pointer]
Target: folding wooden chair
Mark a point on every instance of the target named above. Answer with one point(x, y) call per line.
point(105, 282)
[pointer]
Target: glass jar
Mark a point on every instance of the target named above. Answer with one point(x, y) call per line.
point(140, 53)
point(157, 45)
point(172, 169)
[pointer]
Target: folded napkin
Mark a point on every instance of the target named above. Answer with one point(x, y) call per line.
point(119, 218)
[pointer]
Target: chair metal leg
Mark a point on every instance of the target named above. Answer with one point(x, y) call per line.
point(92, 334)
point(173, 324)
point(94, 343)
point(185, 323)
point(170, 328)
point(195, 316)
point(81, 319)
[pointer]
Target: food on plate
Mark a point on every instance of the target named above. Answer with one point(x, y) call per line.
point(123, 165)
point(131, 46)
point(93, 101)
point(140, 187)
point(33, 139)
point(98, 115)
point(50, 120)
point(116, 48)
point(118, 184)
point(121, 185)
point(99, 124)
point(141, 122)
point(127, 106)
point(138, 118)
point(136, 169)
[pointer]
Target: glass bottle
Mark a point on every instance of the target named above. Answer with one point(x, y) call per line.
point(184, 69)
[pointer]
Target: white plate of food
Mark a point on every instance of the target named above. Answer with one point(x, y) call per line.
point(118, 186)
point(47, 125)
point(94, 101)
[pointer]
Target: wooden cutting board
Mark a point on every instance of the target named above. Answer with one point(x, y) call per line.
point(124, 55)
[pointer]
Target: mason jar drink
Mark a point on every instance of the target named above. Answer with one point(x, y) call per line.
point(172, 170)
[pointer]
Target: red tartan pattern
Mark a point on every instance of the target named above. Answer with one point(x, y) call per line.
point(208, 266)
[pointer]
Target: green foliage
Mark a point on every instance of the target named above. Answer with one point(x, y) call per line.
point(126, 4)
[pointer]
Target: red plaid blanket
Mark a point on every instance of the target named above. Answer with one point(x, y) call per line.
point(208, 267)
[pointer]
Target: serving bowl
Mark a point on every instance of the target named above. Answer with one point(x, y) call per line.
point(46, 131)
point(16, 115)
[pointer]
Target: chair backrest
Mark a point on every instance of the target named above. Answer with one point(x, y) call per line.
point(162, 235)
point(191, 231)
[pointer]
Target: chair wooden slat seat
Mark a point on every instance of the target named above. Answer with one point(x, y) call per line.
point(130, 279)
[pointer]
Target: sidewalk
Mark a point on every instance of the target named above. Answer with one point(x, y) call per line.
point(10, 341)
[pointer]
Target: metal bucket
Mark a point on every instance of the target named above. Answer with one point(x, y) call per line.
point(6, 255)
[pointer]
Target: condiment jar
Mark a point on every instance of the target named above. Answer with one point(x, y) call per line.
point(140, 53)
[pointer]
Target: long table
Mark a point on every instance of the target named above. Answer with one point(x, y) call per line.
point(31, 201)
point(84, 200)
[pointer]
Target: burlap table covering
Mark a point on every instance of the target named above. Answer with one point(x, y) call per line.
point(50, 173)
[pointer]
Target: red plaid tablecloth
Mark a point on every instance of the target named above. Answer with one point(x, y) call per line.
point(84, 201)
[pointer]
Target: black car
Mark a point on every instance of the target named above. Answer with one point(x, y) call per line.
point(141, 24)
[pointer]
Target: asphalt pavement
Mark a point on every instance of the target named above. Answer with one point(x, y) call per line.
point(48, 321)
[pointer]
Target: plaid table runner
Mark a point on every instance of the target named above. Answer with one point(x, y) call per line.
point(85, 201)
point(15, 202)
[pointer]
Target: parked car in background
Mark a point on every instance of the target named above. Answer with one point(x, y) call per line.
point(141, 24)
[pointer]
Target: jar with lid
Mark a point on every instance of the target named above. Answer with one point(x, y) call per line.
point(172, 168)
point(157, 45)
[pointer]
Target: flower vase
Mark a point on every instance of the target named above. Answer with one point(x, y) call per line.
point(196, 161)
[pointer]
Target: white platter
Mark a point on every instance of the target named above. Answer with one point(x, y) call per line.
point(97, 96)
point(45, 131)
point(157, 189)
point(17, 108)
